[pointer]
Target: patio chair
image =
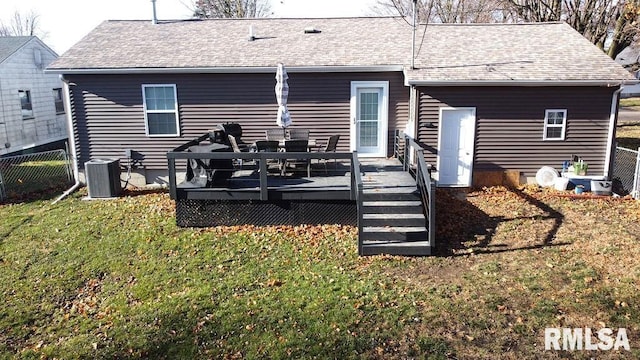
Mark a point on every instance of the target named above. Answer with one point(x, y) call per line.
point(236, 148)
point(296, 146)
point(276, 134)
point(268, 146)
point(331, 146)
point(299, 134)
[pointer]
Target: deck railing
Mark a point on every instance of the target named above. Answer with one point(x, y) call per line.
point(357, 188)
point(407, 149)
point(262, 159)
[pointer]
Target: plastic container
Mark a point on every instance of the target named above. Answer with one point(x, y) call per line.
point(560, 183)
point(585, 181)
point(601, 187)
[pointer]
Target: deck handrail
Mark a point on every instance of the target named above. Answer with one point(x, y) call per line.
point(357, 188)
point(425, 185)
point(262, 157)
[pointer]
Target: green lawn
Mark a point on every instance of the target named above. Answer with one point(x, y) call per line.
point(118, 279)
point(31, 177)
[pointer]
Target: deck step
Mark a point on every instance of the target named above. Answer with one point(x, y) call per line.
point(416, 248)
point(378, 195)
point(392, 207)
point(393, 233)
point(403, 219)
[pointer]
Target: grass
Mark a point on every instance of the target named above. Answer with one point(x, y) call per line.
point(628, 135)
point(22, 179)
point(118, 279)
point(630, 102)
point(628, 132)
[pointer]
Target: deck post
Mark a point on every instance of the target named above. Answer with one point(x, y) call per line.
point(264, 188)
point(432, 215)
point(405, 160)
point(172, 177)
point(354, 185)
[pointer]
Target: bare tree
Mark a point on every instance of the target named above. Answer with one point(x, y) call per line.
point(444, 11)
point(205, 9)
point(603, 22)
point(22, 25)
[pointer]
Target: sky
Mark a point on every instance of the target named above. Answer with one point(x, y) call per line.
point(65, 22)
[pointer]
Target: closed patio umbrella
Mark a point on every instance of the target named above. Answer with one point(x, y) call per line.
point(282, 91)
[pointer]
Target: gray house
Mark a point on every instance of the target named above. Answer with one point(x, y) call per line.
point(32, 113)
point(481, 99)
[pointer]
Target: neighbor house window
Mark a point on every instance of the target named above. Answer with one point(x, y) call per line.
point(160, 110)
point(555, 124)
point(25, 103)
point(57, 98)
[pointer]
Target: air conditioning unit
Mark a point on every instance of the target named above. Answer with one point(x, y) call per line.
point(103, 178)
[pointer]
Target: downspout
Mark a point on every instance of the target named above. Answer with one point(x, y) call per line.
point(413, 36)
point(612, 127)
point(412, 125)
point(72, 141)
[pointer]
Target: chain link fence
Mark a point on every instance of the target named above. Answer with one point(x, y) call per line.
point(29, 175)
point(626, 172)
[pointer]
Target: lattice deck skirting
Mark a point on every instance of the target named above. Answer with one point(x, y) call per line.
point(205, 213)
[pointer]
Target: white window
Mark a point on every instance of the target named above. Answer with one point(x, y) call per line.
point(555, 124)
point(160, 110)
point(25, 104)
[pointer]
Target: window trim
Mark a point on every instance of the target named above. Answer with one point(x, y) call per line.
point(174, 111)
point(28, 95)
point(57, 91)
point(563, 127)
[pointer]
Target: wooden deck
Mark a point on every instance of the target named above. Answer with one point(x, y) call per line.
point(379, 196)
point(379, 176)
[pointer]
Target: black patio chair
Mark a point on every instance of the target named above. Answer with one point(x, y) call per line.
point(268, 146)
point(330, 146)
point(296, 146)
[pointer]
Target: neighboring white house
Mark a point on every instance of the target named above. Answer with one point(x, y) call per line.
point(31, 103)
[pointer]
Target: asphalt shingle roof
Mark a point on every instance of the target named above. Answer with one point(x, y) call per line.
point(447, 52)
point(11, 44)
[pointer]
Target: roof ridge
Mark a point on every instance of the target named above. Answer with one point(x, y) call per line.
point(255, 19)
point(496, 24)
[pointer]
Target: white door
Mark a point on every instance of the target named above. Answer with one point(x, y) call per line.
point(455, 146)
point(369, 118)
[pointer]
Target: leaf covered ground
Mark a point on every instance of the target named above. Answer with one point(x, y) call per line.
point(118, 279)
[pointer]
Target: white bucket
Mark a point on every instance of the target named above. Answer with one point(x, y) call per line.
point(601, 187)
point(560, 183)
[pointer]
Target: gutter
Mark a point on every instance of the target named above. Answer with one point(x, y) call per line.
point(224, 70)
point(608, 83)
point(72, 142)
point(613, 117)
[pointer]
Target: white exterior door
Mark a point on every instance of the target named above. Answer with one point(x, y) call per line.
point(455, 146)
point(369, 118)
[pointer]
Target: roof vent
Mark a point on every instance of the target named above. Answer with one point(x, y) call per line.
point(311, 30)
point(154, 20)
point(252, 36)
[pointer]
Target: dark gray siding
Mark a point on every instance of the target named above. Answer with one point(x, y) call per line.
point(510, 123)
point(108, 115)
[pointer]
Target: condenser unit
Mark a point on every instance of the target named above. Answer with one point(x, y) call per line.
point(103, 178)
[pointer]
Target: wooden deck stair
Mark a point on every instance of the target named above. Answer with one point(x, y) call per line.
point(393, 219)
